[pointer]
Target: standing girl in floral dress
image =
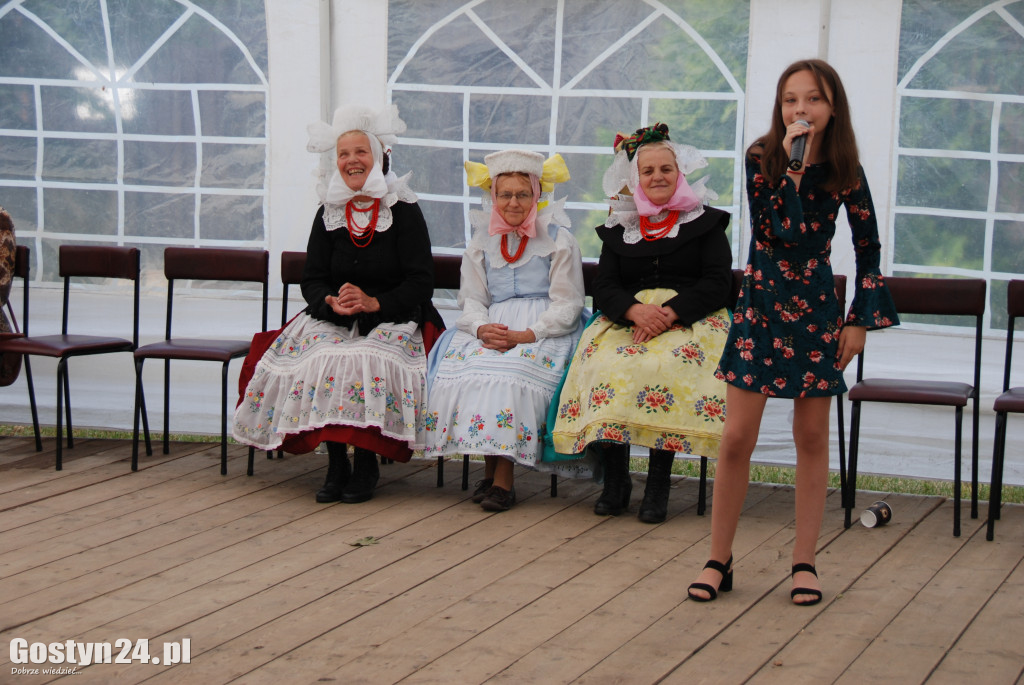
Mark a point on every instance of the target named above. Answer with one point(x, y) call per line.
point(788, 337)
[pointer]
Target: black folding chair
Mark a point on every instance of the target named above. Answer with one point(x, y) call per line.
point(78, 261)
point(1010, 402)
point(200, 263)
point(932, 297)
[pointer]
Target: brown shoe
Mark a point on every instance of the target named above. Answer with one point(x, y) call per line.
point(499, 499)
point(482, 486)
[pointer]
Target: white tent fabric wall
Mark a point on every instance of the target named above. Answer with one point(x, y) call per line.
point(326, 52)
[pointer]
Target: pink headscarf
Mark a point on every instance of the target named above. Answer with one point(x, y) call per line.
point(498, 225)
point(682, 199)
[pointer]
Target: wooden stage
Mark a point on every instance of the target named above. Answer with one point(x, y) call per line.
point(269, 587)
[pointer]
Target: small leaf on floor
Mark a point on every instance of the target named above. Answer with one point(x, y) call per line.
point(363, 542)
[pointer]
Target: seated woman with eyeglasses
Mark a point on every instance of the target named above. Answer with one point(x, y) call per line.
point(491, 379)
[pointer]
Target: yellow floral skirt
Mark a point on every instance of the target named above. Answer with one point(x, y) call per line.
point(662, 393)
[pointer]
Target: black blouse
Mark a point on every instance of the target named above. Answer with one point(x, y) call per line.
point(697, 264)
point(396, 268)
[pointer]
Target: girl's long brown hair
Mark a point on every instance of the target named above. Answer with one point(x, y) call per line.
point(837, 142)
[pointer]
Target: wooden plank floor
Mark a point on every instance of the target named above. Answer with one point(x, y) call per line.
point(268, 587)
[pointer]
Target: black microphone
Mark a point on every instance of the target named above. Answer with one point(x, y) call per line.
point(796, 153)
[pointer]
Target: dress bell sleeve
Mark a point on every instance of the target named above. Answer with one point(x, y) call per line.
point(474, 297)
point(872, 304)
point(565, 290)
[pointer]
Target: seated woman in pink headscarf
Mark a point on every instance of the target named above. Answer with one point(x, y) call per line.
point(643, 373)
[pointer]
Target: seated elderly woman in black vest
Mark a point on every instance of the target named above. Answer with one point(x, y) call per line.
point(643, 373)
point(351, 368)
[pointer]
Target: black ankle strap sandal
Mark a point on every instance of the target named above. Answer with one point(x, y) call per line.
point(797, 568)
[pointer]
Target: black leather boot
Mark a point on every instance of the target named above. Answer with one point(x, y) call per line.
point(654, 507)
point(364, 478)
point(338, 472)
point(617, 483)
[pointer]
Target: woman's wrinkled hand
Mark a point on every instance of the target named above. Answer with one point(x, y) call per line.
point(497, 336)
point(649, 321)
point(352, 300)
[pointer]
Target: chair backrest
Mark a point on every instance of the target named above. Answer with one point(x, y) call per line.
point(1014, 308)
point(100, 261)
point(447, 271)
point(292, 266)
point(589, 274)
point(215, 264)
point(940, 297)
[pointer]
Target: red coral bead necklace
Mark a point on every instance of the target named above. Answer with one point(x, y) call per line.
point(365, 237)
point(652, 230)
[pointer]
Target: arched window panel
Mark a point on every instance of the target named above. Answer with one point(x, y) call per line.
point(1008, 247)
point(77, 212)
point(943, 183)
point(1010, 195)
point(158, 163)
point(78, 110)
point(30, 52)
point(923, 120)
point(18, 161)
point(155, 215)
point(1011, 129)
point(80, 160)
point(561, 76)
point(140, 123)
point(959, 179)
point(939, 241)
point(17, 106)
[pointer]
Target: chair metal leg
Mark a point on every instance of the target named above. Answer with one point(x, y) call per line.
point(702, 494)
point(957, 471)
point(554, 485)
point(850, 495)
point(32, 403)
point(995, 495)
point(67, 406)
point(167, 405)
point(465, 472)
point(224, 420)
point(61, 370)
point(135, 416)
point(145, 421)
point(252, 457)
point(842, 445)
point(974, 459)
point(440, 471)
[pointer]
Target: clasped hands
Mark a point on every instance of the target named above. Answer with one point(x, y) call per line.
point(497, 336)
point(650, 321)
point(352, 300)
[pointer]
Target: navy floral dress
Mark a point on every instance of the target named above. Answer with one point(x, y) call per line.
point(784, 341)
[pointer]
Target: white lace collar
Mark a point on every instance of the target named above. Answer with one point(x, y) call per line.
point(398, 191)
point(540, 245)
point(625, 214)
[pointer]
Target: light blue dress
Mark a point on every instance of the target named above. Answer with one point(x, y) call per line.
point(486, 402)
